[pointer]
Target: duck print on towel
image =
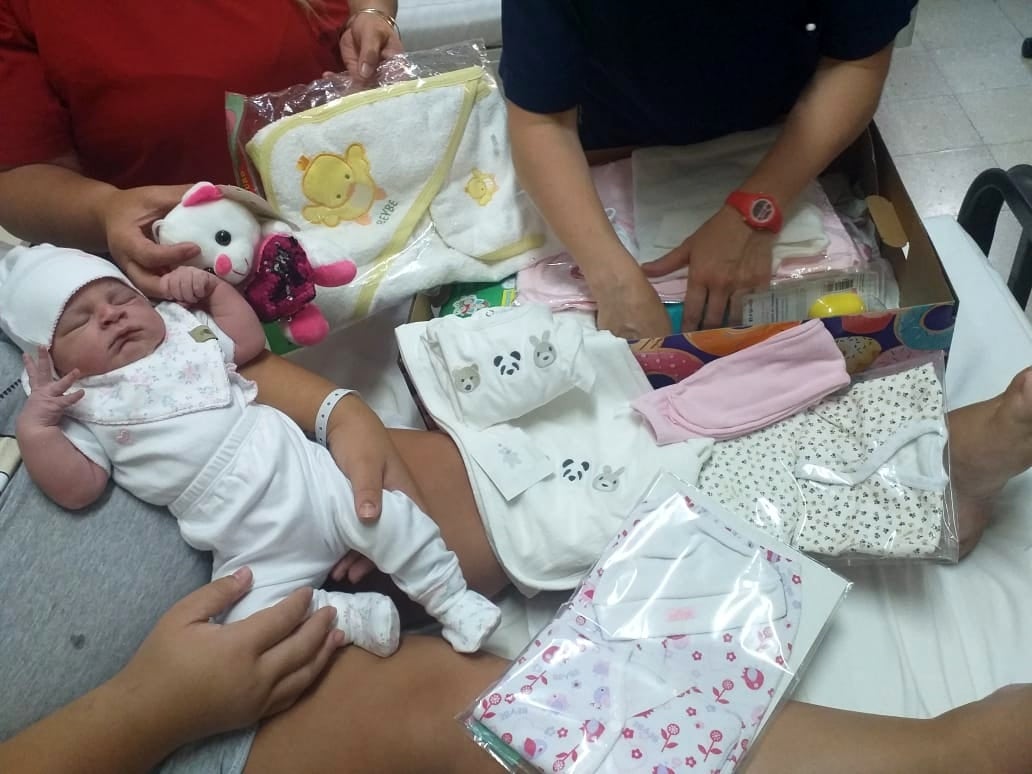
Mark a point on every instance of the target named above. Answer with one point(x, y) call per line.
point(340, 187)
point(481, 187)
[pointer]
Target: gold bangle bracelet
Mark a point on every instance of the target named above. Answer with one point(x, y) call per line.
point(376, 12)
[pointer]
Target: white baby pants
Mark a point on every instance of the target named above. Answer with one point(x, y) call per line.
point(274, 501)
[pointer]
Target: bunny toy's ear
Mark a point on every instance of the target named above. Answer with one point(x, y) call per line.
point(201, 193)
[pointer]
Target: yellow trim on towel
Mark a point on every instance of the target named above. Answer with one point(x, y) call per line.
point(261, 155)
point(529, 242)
point(383, 261)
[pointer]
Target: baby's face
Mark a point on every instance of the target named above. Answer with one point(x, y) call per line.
point(105, 326)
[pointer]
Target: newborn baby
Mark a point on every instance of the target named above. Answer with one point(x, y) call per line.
point(150, 396)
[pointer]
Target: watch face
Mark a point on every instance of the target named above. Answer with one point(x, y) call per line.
point(762, 210)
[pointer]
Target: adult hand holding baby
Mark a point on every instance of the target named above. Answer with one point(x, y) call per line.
point(127, 216)
point(208, 678)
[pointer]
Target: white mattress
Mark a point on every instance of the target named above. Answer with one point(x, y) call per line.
point(917, 640)
point(431, 23)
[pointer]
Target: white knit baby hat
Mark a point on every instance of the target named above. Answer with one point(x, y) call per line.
point(36, 283)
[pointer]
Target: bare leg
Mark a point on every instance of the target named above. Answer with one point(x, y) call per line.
point(988, 735)
point(398, 714)
point(990, 443)
point(382, 715)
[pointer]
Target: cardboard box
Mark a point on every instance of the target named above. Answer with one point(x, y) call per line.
point(923, 322)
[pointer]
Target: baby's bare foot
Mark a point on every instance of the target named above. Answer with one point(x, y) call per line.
point(990, 443)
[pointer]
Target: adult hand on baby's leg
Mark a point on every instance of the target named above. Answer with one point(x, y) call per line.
point(208, 678)
point(128, 216)
point(371, 466)
point(187, 284)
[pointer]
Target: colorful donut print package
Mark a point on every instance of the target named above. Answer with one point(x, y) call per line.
point(672, 654)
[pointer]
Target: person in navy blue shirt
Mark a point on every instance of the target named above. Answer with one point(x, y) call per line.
point(581, 76)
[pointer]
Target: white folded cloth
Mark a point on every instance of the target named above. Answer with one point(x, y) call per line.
point(677, 189)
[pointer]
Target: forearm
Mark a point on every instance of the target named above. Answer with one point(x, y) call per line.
point(296, 391)
point(237, 319)
point(111, 728)
point(54, 203)
point(58, 468)
point(552, 168)
point(832, 112)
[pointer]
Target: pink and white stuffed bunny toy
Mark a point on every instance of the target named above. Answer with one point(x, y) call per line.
point(243, 241)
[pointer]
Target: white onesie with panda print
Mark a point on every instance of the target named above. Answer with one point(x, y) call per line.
point(590, 456)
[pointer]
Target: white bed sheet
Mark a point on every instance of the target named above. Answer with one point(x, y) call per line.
point(431, 23)
point(917, 640)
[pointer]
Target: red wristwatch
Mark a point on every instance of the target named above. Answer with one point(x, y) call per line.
point(759, 211)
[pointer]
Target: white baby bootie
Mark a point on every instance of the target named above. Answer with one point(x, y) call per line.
point(469, 621)
point(369, 621)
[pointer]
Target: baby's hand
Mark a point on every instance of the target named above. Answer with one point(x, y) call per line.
point(47, 402)
point(188, 284)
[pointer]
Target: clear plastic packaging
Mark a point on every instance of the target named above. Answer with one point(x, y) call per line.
point(250, 113)
point(795, 299)
point(412, 180)
point(859, 477)
point(672, 654)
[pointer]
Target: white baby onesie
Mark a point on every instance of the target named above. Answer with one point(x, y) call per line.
point(500, 364)
point(178, 428)
point(598, 455)
point(666, 659)
point(861, 472)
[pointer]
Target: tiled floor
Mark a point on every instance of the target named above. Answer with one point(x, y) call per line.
point(959, 100)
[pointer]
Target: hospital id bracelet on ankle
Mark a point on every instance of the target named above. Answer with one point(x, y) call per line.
point(376, 12)
point(322, 417)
